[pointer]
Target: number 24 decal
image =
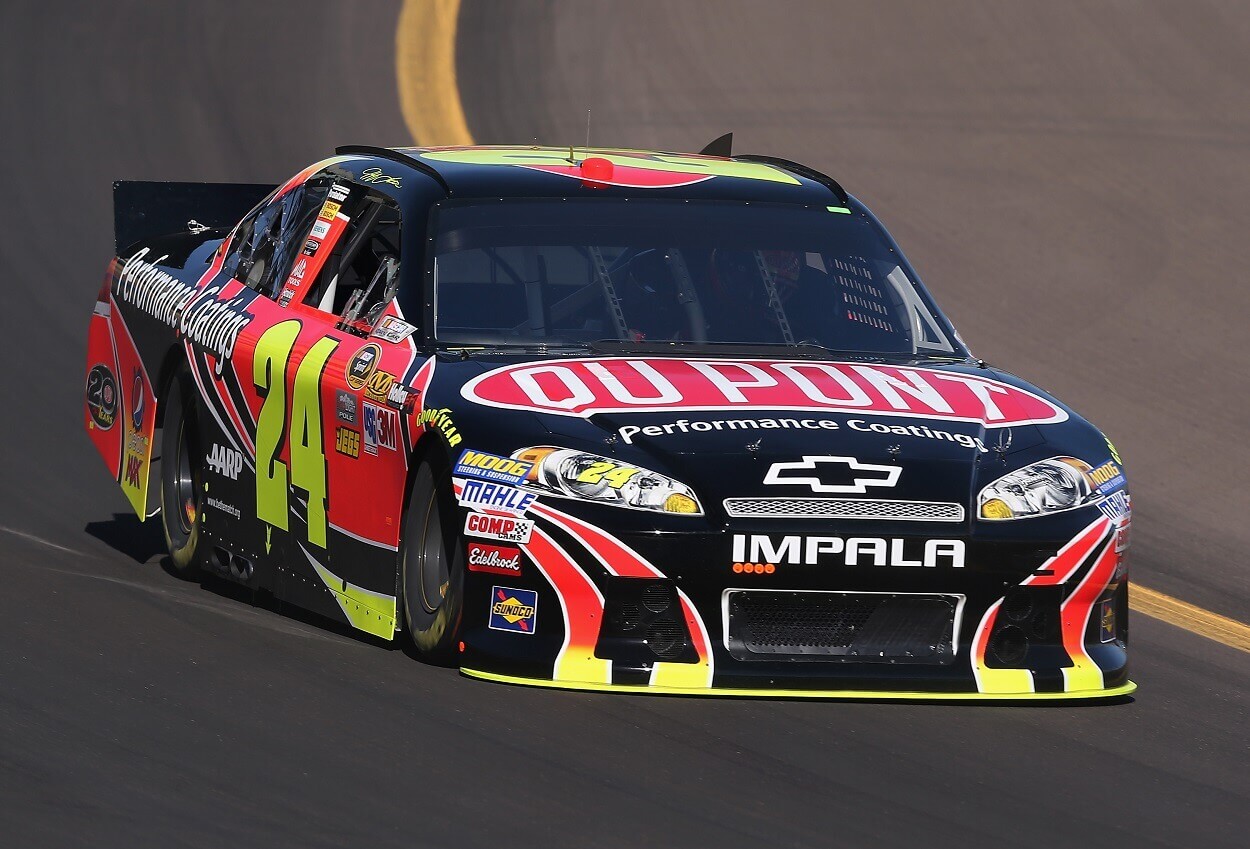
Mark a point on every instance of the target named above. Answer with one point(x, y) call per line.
point(308, 459)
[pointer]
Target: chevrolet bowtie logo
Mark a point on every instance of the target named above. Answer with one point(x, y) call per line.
point(815, 471)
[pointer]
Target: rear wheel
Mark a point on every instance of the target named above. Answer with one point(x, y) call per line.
point(182, 481)
point(432, 565)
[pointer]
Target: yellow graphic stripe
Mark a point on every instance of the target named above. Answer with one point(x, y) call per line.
point(992, 680)
point(373, 613)
point(878, 695)
point(1194, 619)
point(425, 65)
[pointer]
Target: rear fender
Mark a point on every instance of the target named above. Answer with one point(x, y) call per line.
point(119, 406)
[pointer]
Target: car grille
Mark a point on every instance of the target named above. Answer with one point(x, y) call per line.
point(837, 626)
point(844, 508)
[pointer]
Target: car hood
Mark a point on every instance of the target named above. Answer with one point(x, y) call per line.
point(773, 428)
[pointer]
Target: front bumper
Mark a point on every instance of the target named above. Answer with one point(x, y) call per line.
point(1073, 646)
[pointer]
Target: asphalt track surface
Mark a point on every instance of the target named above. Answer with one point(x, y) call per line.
point(1071, 183)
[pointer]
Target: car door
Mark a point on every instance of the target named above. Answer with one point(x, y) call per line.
point(319, 397)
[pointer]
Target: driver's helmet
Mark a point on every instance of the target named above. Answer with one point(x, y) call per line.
point(736, 276)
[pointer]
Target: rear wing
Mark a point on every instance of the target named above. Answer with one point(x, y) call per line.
point(143, 210)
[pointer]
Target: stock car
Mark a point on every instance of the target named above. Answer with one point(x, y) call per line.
point(607, 420)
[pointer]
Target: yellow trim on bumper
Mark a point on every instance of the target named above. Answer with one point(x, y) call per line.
point(1123, 690)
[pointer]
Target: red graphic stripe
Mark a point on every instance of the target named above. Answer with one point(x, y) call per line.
point(1069, 559)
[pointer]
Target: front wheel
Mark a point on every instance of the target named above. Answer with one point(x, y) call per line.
point(432, 565)
point(182, 482)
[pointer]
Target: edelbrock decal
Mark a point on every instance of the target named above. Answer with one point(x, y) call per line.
point(584, 387)
point(499, 559)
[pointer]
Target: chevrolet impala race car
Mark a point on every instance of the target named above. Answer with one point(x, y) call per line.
point(603, 419)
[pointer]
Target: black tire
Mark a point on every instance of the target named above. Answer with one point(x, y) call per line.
point(182, 481)
point(432, 566)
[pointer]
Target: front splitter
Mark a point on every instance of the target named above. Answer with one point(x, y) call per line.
point(862, 695)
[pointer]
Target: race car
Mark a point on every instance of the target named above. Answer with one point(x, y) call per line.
point(606, 420)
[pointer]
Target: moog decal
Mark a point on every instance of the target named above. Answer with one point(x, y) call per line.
point(583, 388)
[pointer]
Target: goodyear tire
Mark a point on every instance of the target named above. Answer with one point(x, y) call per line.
point(432, 565)
point(182, 481)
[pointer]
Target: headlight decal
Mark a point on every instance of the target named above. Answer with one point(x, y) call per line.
point(584, 476)
point(1038, 489)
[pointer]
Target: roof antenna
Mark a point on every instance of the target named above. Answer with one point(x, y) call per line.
point(587, 132)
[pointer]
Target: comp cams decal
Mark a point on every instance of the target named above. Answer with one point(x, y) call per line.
point(585, 387)
point(502, 528)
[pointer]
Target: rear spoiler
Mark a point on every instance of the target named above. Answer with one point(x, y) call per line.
point(143, 210)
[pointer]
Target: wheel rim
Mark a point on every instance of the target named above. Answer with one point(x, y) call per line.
point(184, 483)
point(432, 562)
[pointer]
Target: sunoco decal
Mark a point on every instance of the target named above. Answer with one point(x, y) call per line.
point(583, 388)
point(513, 610)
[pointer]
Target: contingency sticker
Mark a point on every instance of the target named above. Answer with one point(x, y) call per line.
point(513, 610)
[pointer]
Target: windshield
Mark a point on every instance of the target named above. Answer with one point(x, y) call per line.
point(567, 272)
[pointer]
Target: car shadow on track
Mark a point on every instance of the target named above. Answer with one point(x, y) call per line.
point(124, 533)
point(144, 542)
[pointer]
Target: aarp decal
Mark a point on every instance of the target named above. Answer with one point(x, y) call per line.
point(585, 387)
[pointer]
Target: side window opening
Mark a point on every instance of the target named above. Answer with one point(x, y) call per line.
point(361, 274)
point(267, 243)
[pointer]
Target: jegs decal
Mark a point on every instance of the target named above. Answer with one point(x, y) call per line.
point(584, 387)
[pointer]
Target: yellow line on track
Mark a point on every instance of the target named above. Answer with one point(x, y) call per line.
point(425, 65)
point(1192, 618)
